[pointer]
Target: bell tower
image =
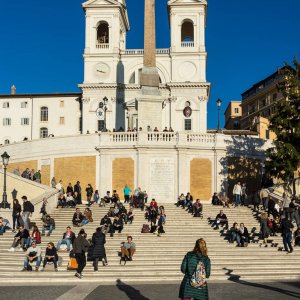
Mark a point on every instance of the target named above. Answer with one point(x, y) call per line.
point(105, 36)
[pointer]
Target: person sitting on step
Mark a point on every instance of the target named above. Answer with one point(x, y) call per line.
point(49, 224)
point(157, 226)
point(87, 216)
point(35, 236)
point(68, 239)
point(20, 239)
point(118, 224)
point(2, 226)
point(224, 200)
point(180, 200)
point(215, 199)
point(70, 200)
point(221, 218)
point(130, 215)
point(107, 198)
point(106, 225)
point(244, 235)
point(128, 249)
point(61, 201)
point(50, 256)
point(32, 254)
point(77, 218)
point(153, 203)
point(188, 200)
point(115, 197)
point(234, 234)
point(197, 209)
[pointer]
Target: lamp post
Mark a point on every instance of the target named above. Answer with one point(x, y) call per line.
point(219, 103)
point(105, 100)
point(5, 159)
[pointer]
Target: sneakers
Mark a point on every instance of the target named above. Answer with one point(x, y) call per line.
point(36, 269)
point(21, 249)
point(23, 270)
point(78, 275)
point(12, 249)
point(55, 270)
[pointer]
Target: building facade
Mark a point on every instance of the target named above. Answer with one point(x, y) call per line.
point(233, 114)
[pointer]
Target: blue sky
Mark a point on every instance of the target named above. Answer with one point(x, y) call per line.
point(42, 43)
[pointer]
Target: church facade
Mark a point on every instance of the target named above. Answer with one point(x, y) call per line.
point(101, 141)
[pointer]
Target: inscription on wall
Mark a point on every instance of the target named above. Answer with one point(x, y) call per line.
point(162, 179)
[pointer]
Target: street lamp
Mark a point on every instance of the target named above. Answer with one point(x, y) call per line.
point(5, 159)
point(219, 103)
point(105, 100)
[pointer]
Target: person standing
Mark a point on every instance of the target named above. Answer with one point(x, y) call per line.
point(98, 252)
point(89, 193)
point(243, 194)
point(264, 196)
point(16, 213)
point(77, 189)
point(80, 247)
point(287, 234)
point(127, 192)
point(237, 191)
point(196, 268)
point(53, 183)
point(28, 209)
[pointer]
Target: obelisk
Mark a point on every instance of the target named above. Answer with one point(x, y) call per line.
point(150, 101)
point(150, 77)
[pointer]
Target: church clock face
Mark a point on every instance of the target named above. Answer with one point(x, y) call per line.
point(102, 70)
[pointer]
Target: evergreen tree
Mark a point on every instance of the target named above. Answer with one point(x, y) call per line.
point(284, 159)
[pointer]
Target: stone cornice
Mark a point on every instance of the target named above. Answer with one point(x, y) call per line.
point(180, 85)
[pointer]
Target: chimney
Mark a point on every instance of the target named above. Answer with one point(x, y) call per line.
point(13, 90)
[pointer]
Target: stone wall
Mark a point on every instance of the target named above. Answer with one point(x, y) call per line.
point(71, 169)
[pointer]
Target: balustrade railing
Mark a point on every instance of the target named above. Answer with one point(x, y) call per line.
point(156, 138)
point(187, 44)
point(102, 45)
point(141, 51)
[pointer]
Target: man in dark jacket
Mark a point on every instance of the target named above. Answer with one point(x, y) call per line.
point(68, 239)
point(28, 209)
point(80, 247)
point(77, 189)
point(106, 225)
point(77, 217)
point(20, 238)
point(221, 218)
point(49, 224)
point(287, 231)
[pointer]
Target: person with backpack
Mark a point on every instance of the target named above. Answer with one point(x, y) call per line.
point(28, 210)
point(196, 269)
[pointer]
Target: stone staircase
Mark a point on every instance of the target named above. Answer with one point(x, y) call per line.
point(158, 259)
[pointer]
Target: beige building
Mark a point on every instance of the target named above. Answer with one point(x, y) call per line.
point(233, 114)
point(258, 105)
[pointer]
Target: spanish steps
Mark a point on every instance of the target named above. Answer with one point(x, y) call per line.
point(158, 259)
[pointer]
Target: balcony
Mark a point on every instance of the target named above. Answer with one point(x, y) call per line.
point(102, 45)
point(187, 44)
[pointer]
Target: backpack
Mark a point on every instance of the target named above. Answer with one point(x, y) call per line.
point(198, 279)
point(30, 207)
point(145, 228)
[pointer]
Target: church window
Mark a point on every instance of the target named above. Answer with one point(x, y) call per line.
point(5, 105)
point(61, 120)
point(187, 31)
point(62, 103)
point(6, 142)
point(43, 132)
point(44, 114)
point(103, 33)
point(188, 124)
point(6, 121)
point(24, 121)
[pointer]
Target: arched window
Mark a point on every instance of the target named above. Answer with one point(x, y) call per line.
point(43, 132)
point(44, 114)
point(103, 33)
point(6, 142)
point(187, 33)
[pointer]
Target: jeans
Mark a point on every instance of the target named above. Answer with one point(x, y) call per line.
point(235, 236)
point(126, 198)
point(50, 228)
point(15, 221)
point(244, 240)
point(38, 261)
point(287, 241)
point(66, 242)
point(237, 198)
point(23, 242)
point(48, 260)
point(84, 222)
point(2, 230)
point(25, 218)
point(81, 261)
point(265, 202)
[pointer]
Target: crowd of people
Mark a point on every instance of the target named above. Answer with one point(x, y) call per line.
point(186, 202)
point(29, 174)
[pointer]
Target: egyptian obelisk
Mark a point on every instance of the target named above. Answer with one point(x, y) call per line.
point(150, 100)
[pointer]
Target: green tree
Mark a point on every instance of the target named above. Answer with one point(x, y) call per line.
point(284, 158)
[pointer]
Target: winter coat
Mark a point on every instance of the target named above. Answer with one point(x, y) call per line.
point(188, 267)
point(80, 245)
point(98, 241)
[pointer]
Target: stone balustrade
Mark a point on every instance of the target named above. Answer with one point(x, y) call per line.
point(187, 44)
point(141, 51)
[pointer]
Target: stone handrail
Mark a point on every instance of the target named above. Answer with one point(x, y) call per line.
point(156, 138)
point(141, 51)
